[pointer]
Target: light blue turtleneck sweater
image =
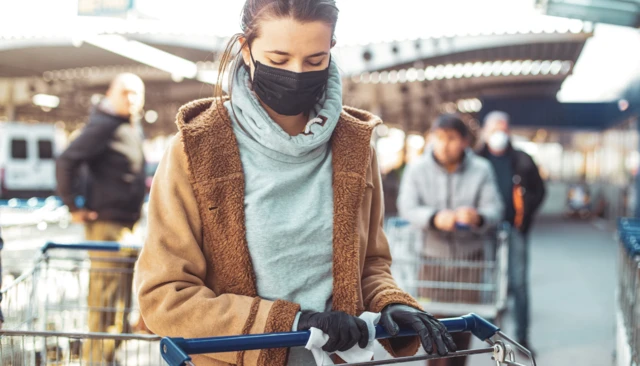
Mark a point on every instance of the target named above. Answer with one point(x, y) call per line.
point(288, 200)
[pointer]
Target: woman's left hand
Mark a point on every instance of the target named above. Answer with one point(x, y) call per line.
point(429, 329)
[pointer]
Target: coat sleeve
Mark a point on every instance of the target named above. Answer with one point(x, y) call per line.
point(490, 204)
point(378, 286)
point(410, 205)
point(171, 275)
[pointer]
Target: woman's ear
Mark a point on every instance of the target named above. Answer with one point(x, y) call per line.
point(246, 53)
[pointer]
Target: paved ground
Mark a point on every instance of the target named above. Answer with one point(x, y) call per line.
point(573, 273)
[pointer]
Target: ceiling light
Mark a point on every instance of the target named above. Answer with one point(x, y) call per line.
point(145, 54)
point(46, 101)
point(151, 116)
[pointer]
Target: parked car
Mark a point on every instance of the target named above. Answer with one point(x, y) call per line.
point(27, 159)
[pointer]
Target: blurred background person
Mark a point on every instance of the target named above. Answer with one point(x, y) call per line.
point(450, 194)
point(579, 200)
point(522, 191)
point(111, 146)
point(391, 185)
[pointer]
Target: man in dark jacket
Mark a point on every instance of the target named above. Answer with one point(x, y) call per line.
point(522, 191)
point(391, 186)
point(111, 147)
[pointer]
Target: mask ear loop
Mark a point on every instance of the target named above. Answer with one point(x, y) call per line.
point(255, 68)
point(251, 55)
point(236, 119)
point(255, 65)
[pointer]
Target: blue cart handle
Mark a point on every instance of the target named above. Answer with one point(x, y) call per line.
point(104, 246)
point(176, 351)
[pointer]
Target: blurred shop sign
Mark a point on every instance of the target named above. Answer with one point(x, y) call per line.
point(111, 8)
point(618, 12)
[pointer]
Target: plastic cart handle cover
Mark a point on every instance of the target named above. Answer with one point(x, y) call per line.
point(176, 351)
point(104, 246)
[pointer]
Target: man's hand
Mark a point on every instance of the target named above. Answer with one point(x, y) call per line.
point(445, 220)
point(83, 216)
point(467, 216)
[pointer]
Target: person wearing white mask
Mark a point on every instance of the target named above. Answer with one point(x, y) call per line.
point(523, 191)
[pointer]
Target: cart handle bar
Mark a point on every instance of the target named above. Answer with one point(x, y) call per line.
point(176, 351)
point(103, 246)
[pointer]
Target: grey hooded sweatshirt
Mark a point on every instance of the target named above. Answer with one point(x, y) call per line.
point(427, 187)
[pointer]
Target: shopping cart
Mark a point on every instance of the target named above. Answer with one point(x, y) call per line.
point(628, 281)
point(476, 283)
point(176, 351)
point(75, 307)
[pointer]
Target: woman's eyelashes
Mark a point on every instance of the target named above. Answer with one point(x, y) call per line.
point(281, 63)
point(277, 63)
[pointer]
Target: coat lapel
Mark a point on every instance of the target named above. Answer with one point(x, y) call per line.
point(218, 181)
point(351, 151)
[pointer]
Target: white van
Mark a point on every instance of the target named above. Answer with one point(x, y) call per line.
point(27, 159)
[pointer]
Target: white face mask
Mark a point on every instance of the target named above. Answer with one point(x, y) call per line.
point(498, 141)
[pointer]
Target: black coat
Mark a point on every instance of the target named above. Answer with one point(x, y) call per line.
point(390, 189)
point(111, 148)
point(526, 174)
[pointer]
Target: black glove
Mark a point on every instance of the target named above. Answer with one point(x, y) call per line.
point(344, 330)
point(429, 329)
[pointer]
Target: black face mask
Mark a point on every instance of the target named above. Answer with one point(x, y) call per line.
point(286, 92)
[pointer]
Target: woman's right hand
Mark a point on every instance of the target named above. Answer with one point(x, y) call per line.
point(344, 330)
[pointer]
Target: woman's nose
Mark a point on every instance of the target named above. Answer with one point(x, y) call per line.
point(297, 67)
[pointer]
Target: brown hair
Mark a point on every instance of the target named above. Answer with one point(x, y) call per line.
point(256, 10)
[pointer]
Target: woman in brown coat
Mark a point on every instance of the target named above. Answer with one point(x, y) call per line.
point(266, 212)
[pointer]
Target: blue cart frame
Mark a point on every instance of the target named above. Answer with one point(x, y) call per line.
point(176, 351)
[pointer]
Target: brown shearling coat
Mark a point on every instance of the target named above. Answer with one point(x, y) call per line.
point(194, 276)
